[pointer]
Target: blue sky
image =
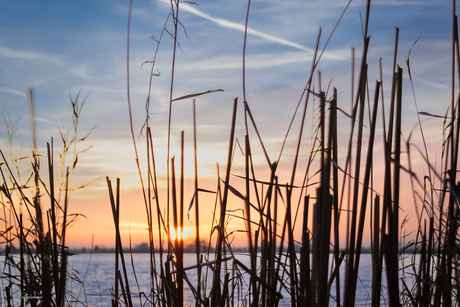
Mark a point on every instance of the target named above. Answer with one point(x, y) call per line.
point(62, 47)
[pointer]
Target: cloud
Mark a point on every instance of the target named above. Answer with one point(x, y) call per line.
point(27, 55)
point(13, 91)
point(133, 225)
point(81, 71)
point(414, 2)
point(261, 61)
point(240, 27)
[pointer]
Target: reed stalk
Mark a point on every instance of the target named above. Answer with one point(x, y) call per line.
point(274, 267)
point(216, 294)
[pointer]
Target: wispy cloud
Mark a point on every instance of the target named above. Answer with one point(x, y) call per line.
point(261, 61)
point(240, 27)
point(81, 71)
point(409, 2)
point(129, 224)
point(28, 55)
point(13, 91)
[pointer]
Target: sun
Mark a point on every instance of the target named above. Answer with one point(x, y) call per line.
point(187, 231)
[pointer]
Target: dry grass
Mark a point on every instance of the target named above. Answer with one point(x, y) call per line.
point(275, 265)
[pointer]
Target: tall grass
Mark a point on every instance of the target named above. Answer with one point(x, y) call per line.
point(335, 194)
point(35, 217)
point(308, 276)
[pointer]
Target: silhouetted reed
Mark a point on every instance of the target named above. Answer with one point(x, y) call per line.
point(281, 265)
point(38, 277)
point(307, 277)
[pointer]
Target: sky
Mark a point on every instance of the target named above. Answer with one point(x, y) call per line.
point(62, 49)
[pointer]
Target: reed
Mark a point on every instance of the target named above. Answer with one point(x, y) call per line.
point(277, 268)
point(38, 276)
point(271, 211)
point(278, 260)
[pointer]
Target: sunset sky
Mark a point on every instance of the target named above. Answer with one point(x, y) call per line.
point(62, 48)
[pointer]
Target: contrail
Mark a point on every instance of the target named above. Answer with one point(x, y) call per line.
point(240, 27)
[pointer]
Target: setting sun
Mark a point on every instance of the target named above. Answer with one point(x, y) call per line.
point(182, 234)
